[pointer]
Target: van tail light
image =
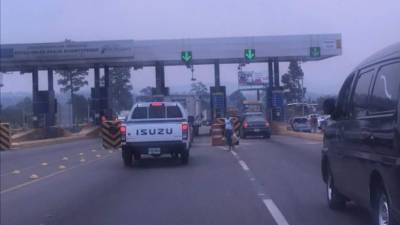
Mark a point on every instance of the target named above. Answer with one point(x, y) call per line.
point(245, 125)
point(185, 130)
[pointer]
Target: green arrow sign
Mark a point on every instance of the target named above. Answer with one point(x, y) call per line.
point(315, 52)
point(186, 56)
point(249, 54)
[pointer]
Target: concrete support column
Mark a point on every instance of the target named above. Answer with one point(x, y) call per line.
point(276, 74)
point(216, 75)
point(96, 96)
point(107, 80)
point(35, 93)
point(160, 79)
point(269, 89)
point(50, 117)
point(50, 80)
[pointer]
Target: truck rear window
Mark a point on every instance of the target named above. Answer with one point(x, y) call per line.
point(140, 113)
point(173, 112)
point(156, 112)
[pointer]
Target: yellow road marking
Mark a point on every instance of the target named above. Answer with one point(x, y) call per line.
point(34, 176)
point(61, 167)
point(48, 176)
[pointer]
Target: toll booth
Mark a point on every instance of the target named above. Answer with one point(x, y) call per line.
point(44, 109)
point(277, 102)
point(218, 101)
point(99, 104)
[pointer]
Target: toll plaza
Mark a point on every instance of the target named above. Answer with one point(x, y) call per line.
point(101, 55)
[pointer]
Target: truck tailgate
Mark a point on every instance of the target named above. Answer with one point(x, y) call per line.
point(153, 132)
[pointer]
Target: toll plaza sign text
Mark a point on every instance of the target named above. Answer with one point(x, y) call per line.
point(67, 50)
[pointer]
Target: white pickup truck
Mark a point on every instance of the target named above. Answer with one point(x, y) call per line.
point(156, 128)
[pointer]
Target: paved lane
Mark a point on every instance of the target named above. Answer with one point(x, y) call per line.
point(212, 189)
point(288, 170)
point(274, 181)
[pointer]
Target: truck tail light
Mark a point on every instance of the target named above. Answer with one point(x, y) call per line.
point(245, 125)
point(156, 104)
point(185, 130)
point(122, 130)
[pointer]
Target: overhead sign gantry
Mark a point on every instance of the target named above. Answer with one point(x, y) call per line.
point(160, 53)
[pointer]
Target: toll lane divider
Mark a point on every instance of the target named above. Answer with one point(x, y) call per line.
point(5, 136)
point(110, 134)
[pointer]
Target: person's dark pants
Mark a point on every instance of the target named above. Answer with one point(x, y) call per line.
point(228, 136)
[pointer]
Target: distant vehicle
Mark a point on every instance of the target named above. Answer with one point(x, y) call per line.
point(255, 125)
point(300, 124)
point(156, 128)
point(251, 108)
point(361, 154)
point(322, 121)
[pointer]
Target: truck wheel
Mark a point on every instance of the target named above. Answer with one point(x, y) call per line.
point(335, 199)
point(184, 156)
point(127, 157)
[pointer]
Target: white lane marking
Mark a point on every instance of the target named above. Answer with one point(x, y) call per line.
point(275, 212)
point(49, 176)
point(234, 153)
point(269, 203)
point(16, 172)
point(244, 165)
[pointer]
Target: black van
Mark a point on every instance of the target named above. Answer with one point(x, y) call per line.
point(361, 154)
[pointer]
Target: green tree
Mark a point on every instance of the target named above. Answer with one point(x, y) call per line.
point(72, 80)
point(200, 89)
point(18, 115)
point(293, 83)
point(236, 99)
point(121, 89)
point(80, 108)
point(147, 91)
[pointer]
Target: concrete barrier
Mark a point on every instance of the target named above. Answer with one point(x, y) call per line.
point(110, 134)
point(5, 136)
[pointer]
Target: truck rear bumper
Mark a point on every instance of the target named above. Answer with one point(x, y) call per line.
point(165, 147)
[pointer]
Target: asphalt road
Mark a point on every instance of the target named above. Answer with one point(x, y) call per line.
point(274, 181)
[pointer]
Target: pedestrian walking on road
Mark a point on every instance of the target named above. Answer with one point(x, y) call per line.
point(228, 132)
point(314, 123)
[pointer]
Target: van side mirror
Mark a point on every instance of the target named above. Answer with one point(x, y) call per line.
point(329, 106)
point(190, 119)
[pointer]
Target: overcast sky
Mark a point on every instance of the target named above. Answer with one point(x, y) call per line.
point(366, 26)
